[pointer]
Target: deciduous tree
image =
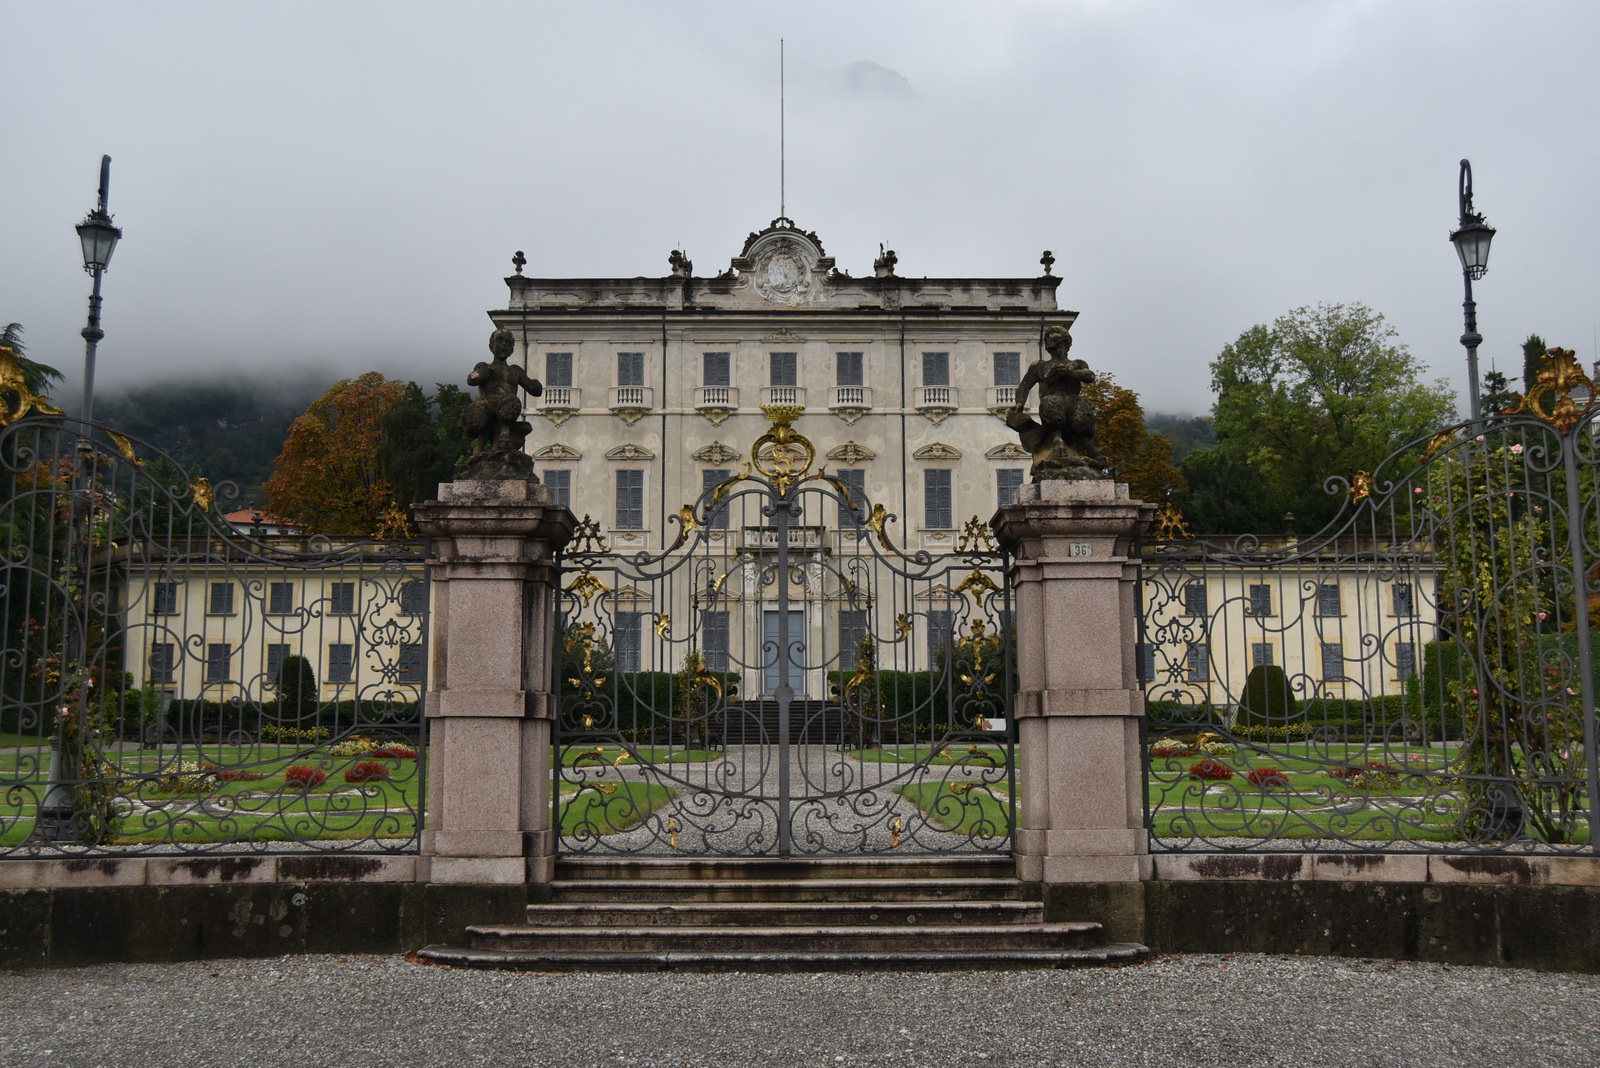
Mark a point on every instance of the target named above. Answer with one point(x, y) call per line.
point(328, 477)
point(1138, 457)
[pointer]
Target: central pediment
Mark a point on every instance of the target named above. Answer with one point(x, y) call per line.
point(784, 264)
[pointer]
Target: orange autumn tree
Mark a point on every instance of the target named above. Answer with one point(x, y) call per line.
point(1138, 457)
point(328, 478)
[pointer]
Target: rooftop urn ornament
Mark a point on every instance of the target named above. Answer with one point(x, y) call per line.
point(1062, 438)
point(883, 266)
point(519, 261)
point(1049, 261)
point(495, 418)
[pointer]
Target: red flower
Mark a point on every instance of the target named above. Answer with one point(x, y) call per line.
point(1265, 778)
point(1209, 769)
point(366, 771)
point(394, 752)
point(305, 775)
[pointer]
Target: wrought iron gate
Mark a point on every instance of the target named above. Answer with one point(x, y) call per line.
point(1420, 674)
point(784, 679)
point(169, 682)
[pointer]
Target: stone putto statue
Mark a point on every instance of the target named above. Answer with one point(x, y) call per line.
point(495, 418)
point(1062, 438)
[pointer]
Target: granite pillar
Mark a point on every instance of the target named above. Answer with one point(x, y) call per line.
point(489, 705)
point(1078, 702)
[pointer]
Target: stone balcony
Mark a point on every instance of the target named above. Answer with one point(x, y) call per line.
point(936, 402)
point(716, 403)
point(783, 395)
point(559, 403)
point(850, 402)
point(631, 403)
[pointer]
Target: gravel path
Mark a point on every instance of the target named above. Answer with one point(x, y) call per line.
point(1190, 1010)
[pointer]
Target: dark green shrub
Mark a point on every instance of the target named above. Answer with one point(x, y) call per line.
point(297, 689)
point(1267, 699)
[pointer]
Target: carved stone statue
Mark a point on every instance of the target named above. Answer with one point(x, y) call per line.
point(495, 418)
point(1062, 438)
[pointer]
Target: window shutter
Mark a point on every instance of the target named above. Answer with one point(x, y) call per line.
point(630, 500)
point(710, 479)
point(785, 368)
point(937, 505)
point(716, 370)
point(936, 368)
point(558, 370)
point(850, 369)
point(560, 482)
point(630, 368)
point(1007, 481)
point(1007, 368)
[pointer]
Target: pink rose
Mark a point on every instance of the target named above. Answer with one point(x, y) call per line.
point(1516, 450)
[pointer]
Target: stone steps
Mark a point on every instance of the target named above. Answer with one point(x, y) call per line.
point(672, 891)
point(787, 913)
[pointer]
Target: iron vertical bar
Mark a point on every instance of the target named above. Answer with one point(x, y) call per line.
point(784, 692)
point(1569, 456)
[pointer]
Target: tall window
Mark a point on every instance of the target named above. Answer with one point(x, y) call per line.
point(630, 368)
point(1328, 599)
point(413, 597)
point(852, 628)
point(850, 369)
point(1260, 654)
point(559, 479)
point(221, 599)
point(936, 368)
point(1007, 368)
point(714, 640)
point(856, 479)
point(630, 632)
point(785, 369)
point(1007, 481)
point(1332, 661)
point(163, 662)
point(716, 370)
point(941, 634)
point(937, 509)
point(1194, 599)
point(1260, 600)
point(341, 662)
point(1405, 659)
point(630, 500)
point(410, 662)
point(1404, 603)
point(558, 370)
point(280, 598)
point(710, 479)
point(165, 599)
point(1199, 662)
point(342, 599)
point(276, 654)
point(219, 662)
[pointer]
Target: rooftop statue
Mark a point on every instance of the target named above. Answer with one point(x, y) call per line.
point(495, 418)
point(1062, 438)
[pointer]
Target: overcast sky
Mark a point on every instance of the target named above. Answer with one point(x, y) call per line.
point(340, 186)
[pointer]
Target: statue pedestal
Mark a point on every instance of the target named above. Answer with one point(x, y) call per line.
point(489, 705)
point(1078, 702)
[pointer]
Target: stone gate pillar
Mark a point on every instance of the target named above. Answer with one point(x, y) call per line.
point(1078, 702)
point(489, 704)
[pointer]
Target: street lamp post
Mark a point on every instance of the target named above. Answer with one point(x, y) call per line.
point(1471, 239)
point(99, 238)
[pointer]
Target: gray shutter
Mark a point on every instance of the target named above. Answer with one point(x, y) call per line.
point(850, 369)
point(785, 369)
point(630, 368)
point(560, 482)
point(714, 640)
point(716, 370)
point(630, 500)
point(710, 479)
point(936, 368)
point(1007, 481)
point(1007, 368)
point(558, 370)
point(937, 505)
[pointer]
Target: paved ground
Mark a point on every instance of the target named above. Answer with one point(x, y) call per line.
point(1194, 1010)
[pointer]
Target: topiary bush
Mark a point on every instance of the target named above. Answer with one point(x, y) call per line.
point(1267, 699)
point(297, 689)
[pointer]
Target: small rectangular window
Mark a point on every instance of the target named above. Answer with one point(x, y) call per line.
point(852, 629)
point(630, 500)
point(1405, 659)
point(1260, 600)
point(1404, 603)
point(1328, 599)
point(1007, 481)
point(341, 662)
point(276, 654)
point(280, 598)
point(716, 369)
point(410, 662)
point(714, 640)
point(221, 599)
point(1260, 654)
point(342, 598)
point(1007, 368)
point(941, 635)
point(629, 639)
point(560, 482)
point(165, 599)
point(414, 597)
point(1194, 599)
point(558, 370)
point(219, 662)
point(856, 479)
point(936, 368)
point(937, 507)
point(163, 662)
point(850, 369)
point(1332, 661)
point(710, 479)
point(630, 368)
point(785, 369)
point(1199, 662)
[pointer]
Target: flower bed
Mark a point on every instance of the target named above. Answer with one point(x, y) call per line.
point(366, 771)
point(1210, 769)
point(304, 775)
point(1266, 778)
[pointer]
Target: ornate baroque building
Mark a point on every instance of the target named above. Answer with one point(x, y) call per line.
point(654, 386)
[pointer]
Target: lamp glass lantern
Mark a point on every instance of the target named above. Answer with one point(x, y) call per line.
point(99, 238)
point(1472, 245)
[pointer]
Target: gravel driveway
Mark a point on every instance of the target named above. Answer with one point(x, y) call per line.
point(1175, 1010)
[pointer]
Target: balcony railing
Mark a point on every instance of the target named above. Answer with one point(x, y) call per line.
point(561, 399)
point(935, 398)
point(632, 398)
point(1001, 398)
point(849, 398)
point(783, 395)
point(715, 397)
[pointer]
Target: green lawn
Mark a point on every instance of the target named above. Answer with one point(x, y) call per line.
point(606, 808)
point(614, 755)
point(968, 754)
point(982, 804)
